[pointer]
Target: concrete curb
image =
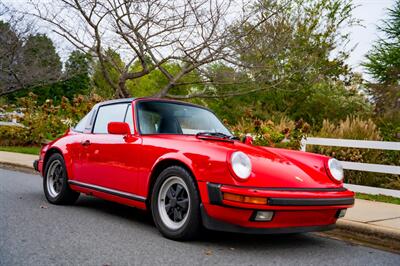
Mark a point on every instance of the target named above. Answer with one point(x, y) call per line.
point(373, 235)
point(369, 229)
point(18, 167)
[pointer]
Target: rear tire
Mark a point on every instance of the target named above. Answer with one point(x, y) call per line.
point(55, 182)
point(175, 204)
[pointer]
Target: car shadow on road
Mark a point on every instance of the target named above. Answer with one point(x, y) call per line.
point(250, 241)
point(115, 209)
point(222, 239)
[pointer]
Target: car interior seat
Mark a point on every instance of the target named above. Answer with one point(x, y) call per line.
point(169, 125)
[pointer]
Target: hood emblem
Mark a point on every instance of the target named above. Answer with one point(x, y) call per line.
point(299, 178)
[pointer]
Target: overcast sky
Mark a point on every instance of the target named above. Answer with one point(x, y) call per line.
point(370, 12)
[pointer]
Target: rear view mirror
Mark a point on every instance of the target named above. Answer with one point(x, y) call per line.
point(118, 128)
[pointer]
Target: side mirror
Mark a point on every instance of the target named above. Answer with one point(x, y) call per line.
point(248, 140)
point(118, 128)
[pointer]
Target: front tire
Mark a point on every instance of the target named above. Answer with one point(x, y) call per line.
point(55, 182)
point(175, 204)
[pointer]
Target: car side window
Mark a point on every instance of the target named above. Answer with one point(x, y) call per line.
point(80, 127)
point(129, 118)
point(107, 114)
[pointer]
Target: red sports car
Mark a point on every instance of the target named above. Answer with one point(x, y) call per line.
point(179, 161)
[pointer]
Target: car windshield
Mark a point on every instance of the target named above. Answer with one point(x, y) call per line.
point(176, 118)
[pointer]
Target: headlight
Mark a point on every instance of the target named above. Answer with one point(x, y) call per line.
point(335, 169)
point(241, 164)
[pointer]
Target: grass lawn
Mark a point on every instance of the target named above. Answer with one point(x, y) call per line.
point(381, 198)
point(21, 149)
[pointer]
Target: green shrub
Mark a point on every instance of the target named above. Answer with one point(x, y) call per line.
point(359, 129)
point(284, 133)
point(46, 121)
point(12, 136)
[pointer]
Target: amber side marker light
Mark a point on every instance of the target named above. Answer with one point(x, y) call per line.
point(245, 199)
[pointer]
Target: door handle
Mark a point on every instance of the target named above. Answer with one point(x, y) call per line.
point(85, 143)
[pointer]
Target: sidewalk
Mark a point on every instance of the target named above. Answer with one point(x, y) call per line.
point(18, 159)
point(375, 213)
point(367, 220)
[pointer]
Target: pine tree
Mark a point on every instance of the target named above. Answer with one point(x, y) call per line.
point(383, 64)
point(383, 61)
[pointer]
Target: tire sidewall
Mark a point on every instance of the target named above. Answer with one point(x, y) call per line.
point(187, 230)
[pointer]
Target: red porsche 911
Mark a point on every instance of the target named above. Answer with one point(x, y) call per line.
point(180, 162)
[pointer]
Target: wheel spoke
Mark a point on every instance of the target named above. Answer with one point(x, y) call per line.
point(179, 189)
point(179, 215)
point(184, 203)
point(167, 207)
point(55, 186)
point(169, 193)
point(175, 215)
point(57, 171)
point(171, 213)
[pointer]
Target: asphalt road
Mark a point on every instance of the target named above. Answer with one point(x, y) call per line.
point(96, 232)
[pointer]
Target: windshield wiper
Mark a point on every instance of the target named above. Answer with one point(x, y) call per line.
point(217, 135)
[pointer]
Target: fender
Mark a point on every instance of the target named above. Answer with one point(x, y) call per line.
point(169, 159)
point(48, 150)
point(60, 147)
point(174, 156)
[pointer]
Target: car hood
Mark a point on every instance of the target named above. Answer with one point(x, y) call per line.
point(282, 168)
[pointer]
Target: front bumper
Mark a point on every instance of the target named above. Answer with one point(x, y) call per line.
point(294, 209)
point(284, 196)
point(218, 225)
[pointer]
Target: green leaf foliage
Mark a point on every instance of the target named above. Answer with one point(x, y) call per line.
point(294, 65)
point(153, 82)
point(383, 61)
point(101, 86)
point(383, 64)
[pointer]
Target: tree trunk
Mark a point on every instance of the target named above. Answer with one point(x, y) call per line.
point(122, 91)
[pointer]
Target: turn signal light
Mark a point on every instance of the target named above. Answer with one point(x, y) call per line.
point(244, 199)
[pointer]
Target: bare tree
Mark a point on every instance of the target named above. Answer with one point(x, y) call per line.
point(192, 33)
point(25, 58)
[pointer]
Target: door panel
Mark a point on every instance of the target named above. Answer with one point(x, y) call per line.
point(109, 160)
point(113, 162)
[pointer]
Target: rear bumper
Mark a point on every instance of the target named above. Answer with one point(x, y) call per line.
point(294, 210)
point(36, 165)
